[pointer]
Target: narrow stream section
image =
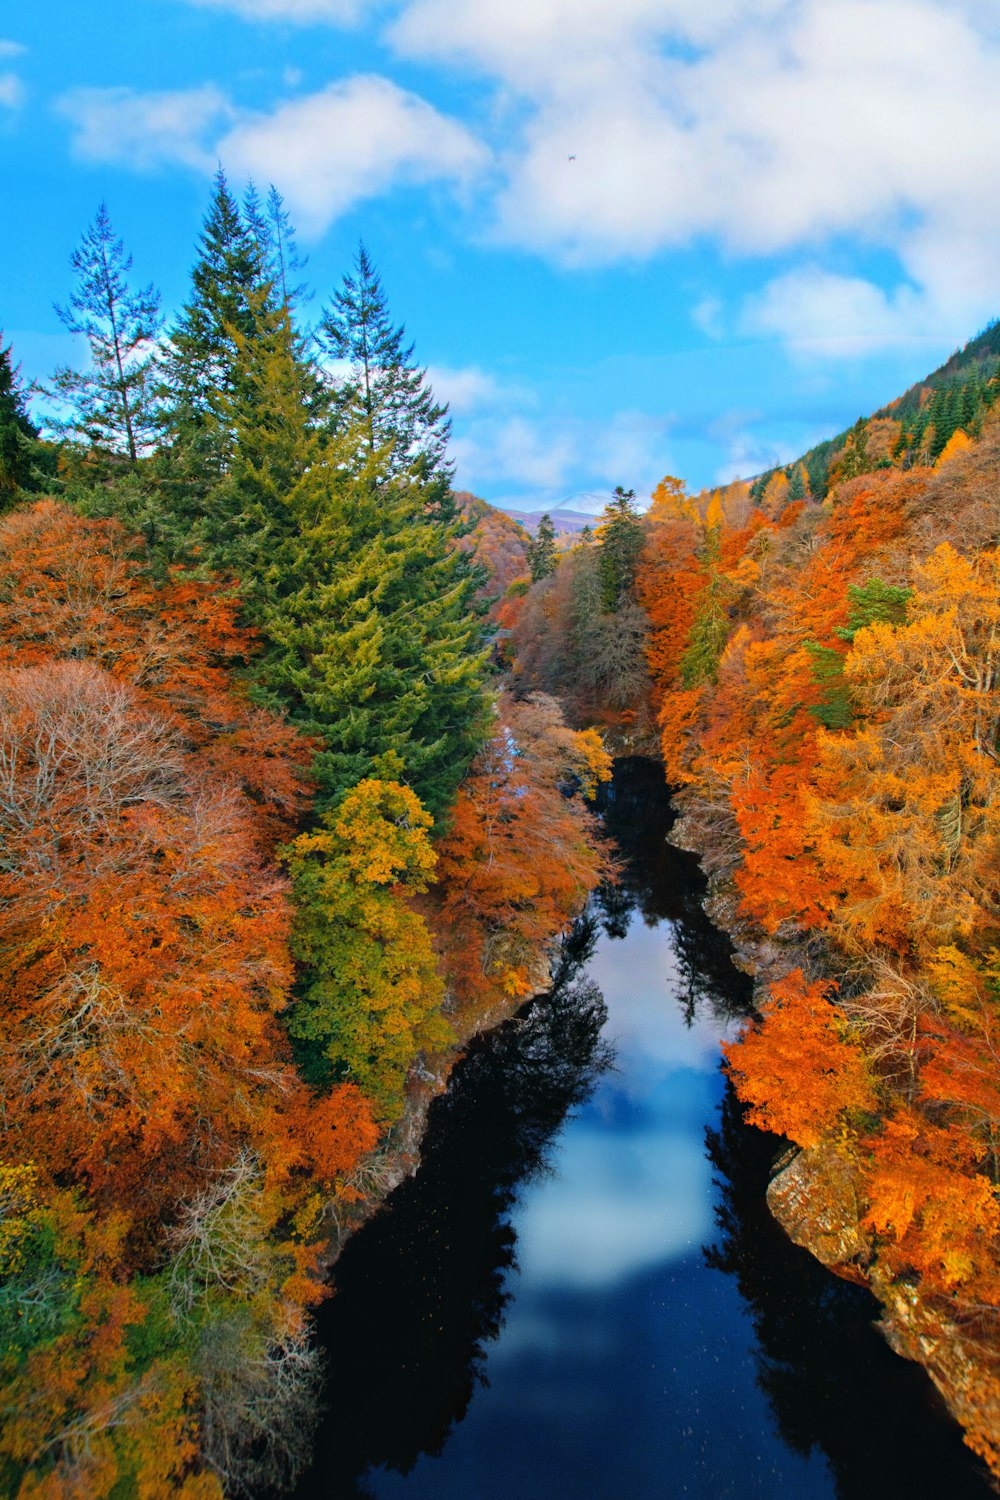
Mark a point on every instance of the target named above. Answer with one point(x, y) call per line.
point(581, 1295)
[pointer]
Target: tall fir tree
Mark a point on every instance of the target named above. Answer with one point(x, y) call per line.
point(383, 392)
point(110, 405)
point(200, 368)
point(372, 643)
point(542, 550)
point(621, 539)
point(18, 433)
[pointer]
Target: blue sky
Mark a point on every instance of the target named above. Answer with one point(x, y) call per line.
point(777, 215)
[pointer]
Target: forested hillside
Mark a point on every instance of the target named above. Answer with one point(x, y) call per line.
point(272, 843)
point(822, 661)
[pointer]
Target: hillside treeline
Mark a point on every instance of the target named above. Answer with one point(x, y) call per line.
point(270, 842)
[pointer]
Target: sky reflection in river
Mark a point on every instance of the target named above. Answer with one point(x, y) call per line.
point(624, 1366)
point(630, 1186)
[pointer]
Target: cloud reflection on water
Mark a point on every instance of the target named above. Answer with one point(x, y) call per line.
point(630, 1187)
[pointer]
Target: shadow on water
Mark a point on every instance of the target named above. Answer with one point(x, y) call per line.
point(832, 1381)
point(424, 1288)
point(665, 884)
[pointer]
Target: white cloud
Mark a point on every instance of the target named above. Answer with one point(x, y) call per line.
point(471, 389)
point(11, 87)
point(149, 130)
point(352, 141)
point(11, 91)
point(768, 126)
point(818, 313)
point(328, 150)
point(297, 12)
point(501, 451)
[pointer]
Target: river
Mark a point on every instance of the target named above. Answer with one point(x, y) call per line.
point(581, 1294)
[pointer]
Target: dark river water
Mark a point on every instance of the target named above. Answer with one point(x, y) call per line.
point(581, 1294)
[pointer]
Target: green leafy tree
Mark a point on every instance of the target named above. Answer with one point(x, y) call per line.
point(542, 550)
point(621, 539)
point(370, 1001)
point(111, 404)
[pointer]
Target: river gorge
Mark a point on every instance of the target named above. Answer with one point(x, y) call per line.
point(581, 1293)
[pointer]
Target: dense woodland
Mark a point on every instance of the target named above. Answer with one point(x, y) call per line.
point(822, 666)
point(272, 843)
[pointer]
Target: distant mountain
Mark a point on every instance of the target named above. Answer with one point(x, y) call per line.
point(564, 521)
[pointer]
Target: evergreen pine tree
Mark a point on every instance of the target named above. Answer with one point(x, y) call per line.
point(285, 263)
point(111, 404)
point(621, 538)
point(371, 641)
point(542, 550)
point(272, 412)
point(17, 431)
point(384, 393)
point(200, 367)
point(796, 485)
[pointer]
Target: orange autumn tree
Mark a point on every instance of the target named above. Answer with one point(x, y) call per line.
point(520, 856)
point(799, 1068)
point(145, 963)
point(906, 813)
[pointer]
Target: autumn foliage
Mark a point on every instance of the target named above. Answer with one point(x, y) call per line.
point(520, 856)
point(145, 961)
point(827, 686)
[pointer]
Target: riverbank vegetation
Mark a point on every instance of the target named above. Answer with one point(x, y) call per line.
point(271, 843)
point(821, 651)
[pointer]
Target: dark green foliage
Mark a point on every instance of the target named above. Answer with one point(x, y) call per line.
point(18, 433)
point(111, 405)
point(836, 710)
point(384, 396)
point(873, 602)
point(371, 641)
point(542, 550)
point(200, 371)
point(870, 602)
point(709, 634)
point(760, 484)
point(970, 384)
point(622, 539)
point(796, 485)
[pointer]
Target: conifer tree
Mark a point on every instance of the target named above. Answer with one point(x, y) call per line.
point(542, 550)
point(111, 404)
point(199, 370)
point(270, 226)
point(285, 262)
point(384, 392)
point(17, 431)
point(245, 519)
point(621, 539)
point(371, 639)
